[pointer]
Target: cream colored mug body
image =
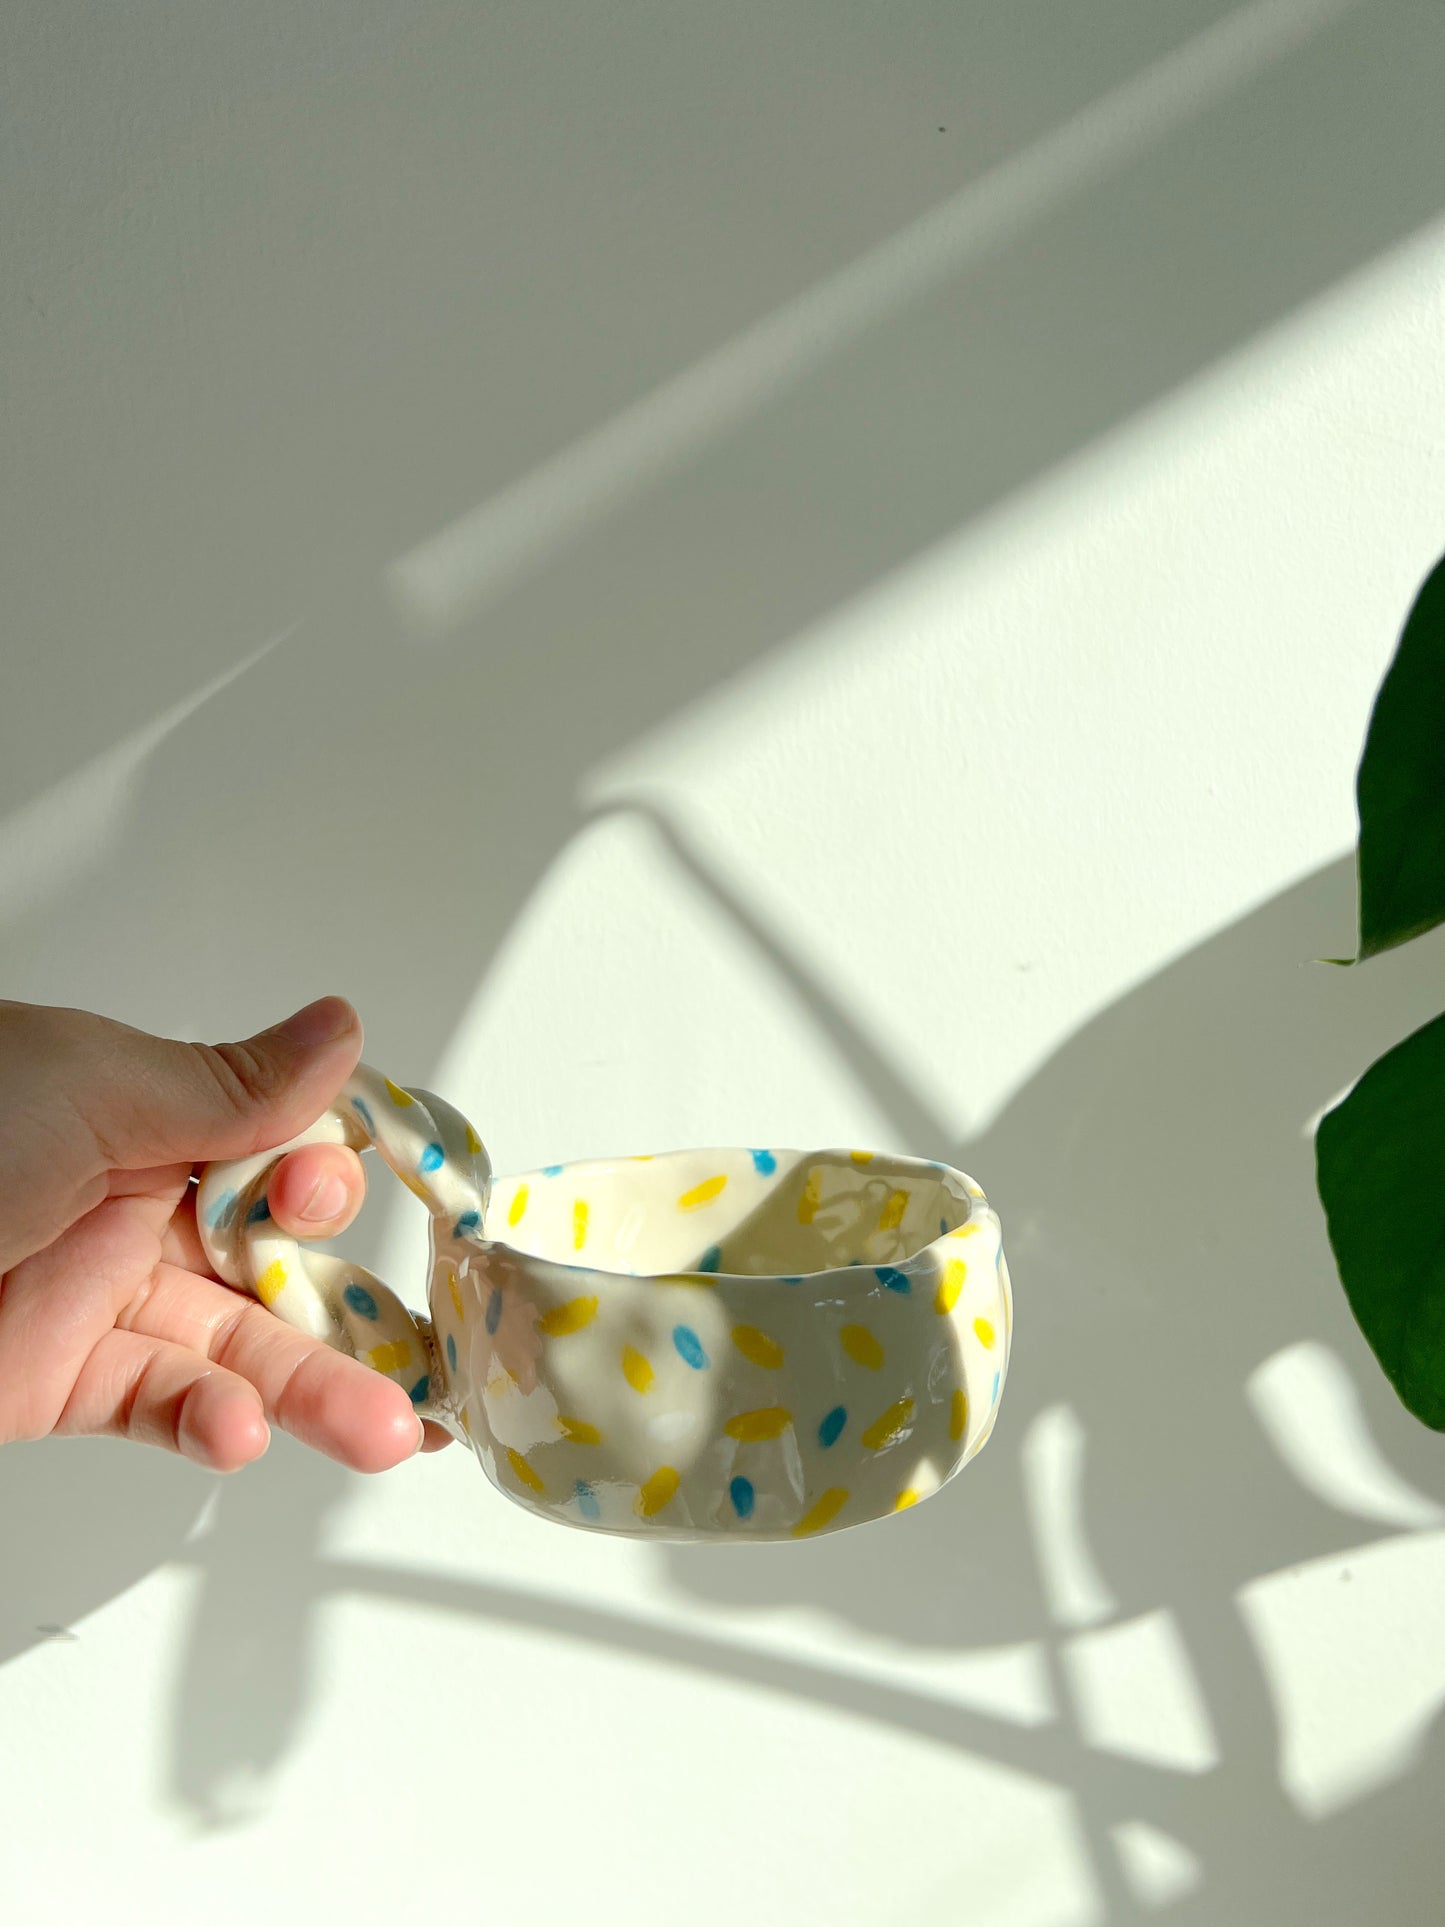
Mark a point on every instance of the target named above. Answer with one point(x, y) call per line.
point(698, 1345)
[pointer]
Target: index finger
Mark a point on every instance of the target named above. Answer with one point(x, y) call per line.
point(328, 1401)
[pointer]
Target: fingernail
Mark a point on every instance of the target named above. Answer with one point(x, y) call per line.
point(318, 1023)
point(328, 1200)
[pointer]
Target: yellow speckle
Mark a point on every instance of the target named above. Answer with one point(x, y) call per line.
point(958, 1414)
point(812, 1193)
point(417, 1188)
point(658, 1491)
point(524, 1472)
point(456, 1291)
point(965, 1230)
point(823, 1513)
point(893, 1211)
point(985, 1333)
point(579, 1224)
point(862, 1346)
point(950, 1285)
point(398, 1096)
point(861, 1157)
point(579, 1431)
point(466, 1423)
point(758, 1347)
point(702, 1194)
point(888, 1425)
point(389, 1358)
point(637, 1369)
point(271, 1283)
point(562, 1320)
point(516, 1210)
point(751, 1427)
point(474, 1143)
point(906, 1498)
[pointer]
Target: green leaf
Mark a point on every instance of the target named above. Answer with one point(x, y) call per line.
point(1378, 1161)
point(1401, 785)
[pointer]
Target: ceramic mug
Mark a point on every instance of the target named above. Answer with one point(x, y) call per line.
point(698, 1345)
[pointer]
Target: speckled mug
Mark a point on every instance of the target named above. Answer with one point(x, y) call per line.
point(699, 1345)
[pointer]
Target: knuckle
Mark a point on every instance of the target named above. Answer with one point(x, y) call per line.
point(294, 1390)
point(228, 1341)
point(131, 1407)
point(245, 1077)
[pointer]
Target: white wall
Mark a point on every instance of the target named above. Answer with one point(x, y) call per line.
point(794, 625)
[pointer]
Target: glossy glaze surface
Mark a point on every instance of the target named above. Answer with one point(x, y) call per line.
point(738, 1344)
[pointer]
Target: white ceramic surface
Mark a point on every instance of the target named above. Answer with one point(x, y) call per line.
point(740, 1344)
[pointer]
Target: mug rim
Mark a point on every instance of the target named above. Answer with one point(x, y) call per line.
point(890, 1161)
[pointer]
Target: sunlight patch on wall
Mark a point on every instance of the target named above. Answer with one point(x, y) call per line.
point(1052, 1462)
point(1311, 1412)
point(1137, 1695)
point(448, 577)
point(1160, 1870)
point(1354, 1650)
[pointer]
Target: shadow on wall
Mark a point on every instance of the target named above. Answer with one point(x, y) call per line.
point(1155, 1182)
point(1156, 1188)
point(430, 728)
point(710, 500)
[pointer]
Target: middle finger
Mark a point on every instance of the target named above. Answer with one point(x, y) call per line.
point(323, 1398)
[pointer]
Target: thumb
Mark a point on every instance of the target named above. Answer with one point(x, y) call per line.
point(151, 1100)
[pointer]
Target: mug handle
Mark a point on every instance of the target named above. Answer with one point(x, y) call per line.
point(437, 1155)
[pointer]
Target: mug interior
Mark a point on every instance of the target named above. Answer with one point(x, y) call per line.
point(736, 1213)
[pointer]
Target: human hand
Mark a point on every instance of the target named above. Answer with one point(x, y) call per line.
point(111, 1321)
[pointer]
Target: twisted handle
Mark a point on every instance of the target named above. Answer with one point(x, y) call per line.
point(439, 1158)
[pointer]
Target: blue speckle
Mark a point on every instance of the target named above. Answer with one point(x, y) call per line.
point(421, 1388)
point(764, 1163)
point(466, 1224)
point(710, 1259)
point(451, 1351)
point(894, 1279)
point(223, 1210)
point(367, 1122)
point(689, 1347)
point(831, 1429)
point(361, 1300)
point(259, 1212)
point(742, 1495)
point(431, 1159)
point(551, 1170)
point(494, 1309)
point(993, 1395)
point(943, 1227)
point(790, 1281)
point(587, 1501)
